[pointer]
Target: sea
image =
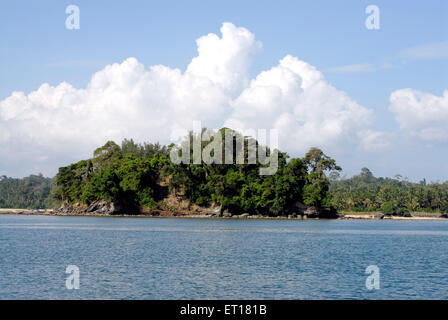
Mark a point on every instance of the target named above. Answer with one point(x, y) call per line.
point(56, 257)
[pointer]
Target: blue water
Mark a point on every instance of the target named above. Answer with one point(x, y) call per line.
point(150, 258)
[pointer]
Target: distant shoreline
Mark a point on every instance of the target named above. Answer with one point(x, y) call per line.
point(417, 216)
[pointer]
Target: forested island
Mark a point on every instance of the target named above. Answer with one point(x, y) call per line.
point(134, 178)
point(141, 178)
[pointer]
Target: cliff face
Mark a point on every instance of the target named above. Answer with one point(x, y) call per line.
point(174, 206)
point(100, 207)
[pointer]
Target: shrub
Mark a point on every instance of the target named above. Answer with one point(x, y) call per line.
point(392, 208)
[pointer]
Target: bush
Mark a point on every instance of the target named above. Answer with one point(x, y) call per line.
point(392, 208)
point(444, 209)
point(388, 208)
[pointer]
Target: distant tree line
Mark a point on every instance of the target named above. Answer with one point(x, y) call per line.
point(365, 192)
point(27, 193)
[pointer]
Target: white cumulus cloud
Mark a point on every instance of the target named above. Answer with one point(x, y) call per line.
point(375, 141)
point(421, 114)
point(307, 111)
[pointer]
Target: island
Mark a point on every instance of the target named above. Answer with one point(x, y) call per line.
point(142, 180)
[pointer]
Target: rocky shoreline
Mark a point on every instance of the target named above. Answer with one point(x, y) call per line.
point(178, 208)
point(210, 214)
point(103, 208)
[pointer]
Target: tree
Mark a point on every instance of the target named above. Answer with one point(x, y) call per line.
point(106, 155)
point(316, 189)
point(318, 162)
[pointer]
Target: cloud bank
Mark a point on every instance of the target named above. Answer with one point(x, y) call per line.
point(55, 125)
point(421, 114)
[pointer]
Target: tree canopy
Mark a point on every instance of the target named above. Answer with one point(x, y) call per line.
point(132, 174)
point(365, 192)
point(28, 193)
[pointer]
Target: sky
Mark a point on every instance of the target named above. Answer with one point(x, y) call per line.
point(312, 70)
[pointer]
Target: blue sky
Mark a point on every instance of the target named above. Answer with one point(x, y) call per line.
point(408, 51)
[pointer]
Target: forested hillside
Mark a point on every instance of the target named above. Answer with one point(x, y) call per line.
point(131, 175)
point(365, 192)
point(28, 193)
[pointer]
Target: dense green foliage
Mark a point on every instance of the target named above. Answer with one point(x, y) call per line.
point(364, 192)
point(131, 174)
point(127, 174)
point(32, 192)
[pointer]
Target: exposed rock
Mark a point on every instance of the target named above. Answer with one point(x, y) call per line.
point(214, 211)
point(298, 208)
point(311, 212)
point(99, 207)
point(226, 213)
point(178, 206)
